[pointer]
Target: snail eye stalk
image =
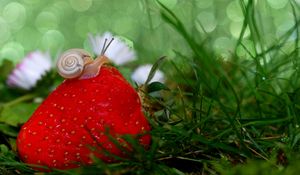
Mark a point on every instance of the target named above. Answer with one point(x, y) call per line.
point(105, 47)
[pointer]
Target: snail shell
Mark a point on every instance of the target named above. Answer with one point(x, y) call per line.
point(77, 63)
point(72, 62)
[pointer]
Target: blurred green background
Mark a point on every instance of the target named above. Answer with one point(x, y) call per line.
point(57, 25)
point(259, 93)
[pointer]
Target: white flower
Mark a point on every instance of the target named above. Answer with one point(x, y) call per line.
point(140, 74)
point(30, 70)
point(118, 51)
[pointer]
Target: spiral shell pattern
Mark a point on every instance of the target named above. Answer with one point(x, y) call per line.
point(71, 63)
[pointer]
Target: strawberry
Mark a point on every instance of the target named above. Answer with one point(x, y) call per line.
point(76, 117)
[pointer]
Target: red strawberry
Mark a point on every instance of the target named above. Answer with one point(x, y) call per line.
point(74, 118)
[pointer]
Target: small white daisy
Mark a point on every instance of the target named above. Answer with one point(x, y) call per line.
point(118, 51)
point(30, 70)
point(140, 74)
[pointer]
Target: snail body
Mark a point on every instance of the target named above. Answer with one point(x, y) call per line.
point(78, 63)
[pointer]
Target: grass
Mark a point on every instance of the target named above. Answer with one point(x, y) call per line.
point(215, 116)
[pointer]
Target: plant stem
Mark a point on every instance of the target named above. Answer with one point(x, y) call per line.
point(19, 100)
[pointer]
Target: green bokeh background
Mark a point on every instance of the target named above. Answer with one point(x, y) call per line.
point(57, 25)
point(270, 92)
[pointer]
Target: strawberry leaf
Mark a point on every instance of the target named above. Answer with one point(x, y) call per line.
point(5, 69)
point(48, 81)
point(8, 130)
point(10, 163)
point(154, 68)
point(156, 86)
point(17, 114)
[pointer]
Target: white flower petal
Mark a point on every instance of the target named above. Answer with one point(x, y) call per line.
point(21, 76)
point(30, 70)
point(42, 59)
point(125, 55)
point(118, 52)
point(30, 74)
point(113, 52)
point(94, 44)
point(141, 74)
point(14, 81)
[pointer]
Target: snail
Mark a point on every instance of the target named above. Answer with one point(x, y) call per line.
point(78, 63)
